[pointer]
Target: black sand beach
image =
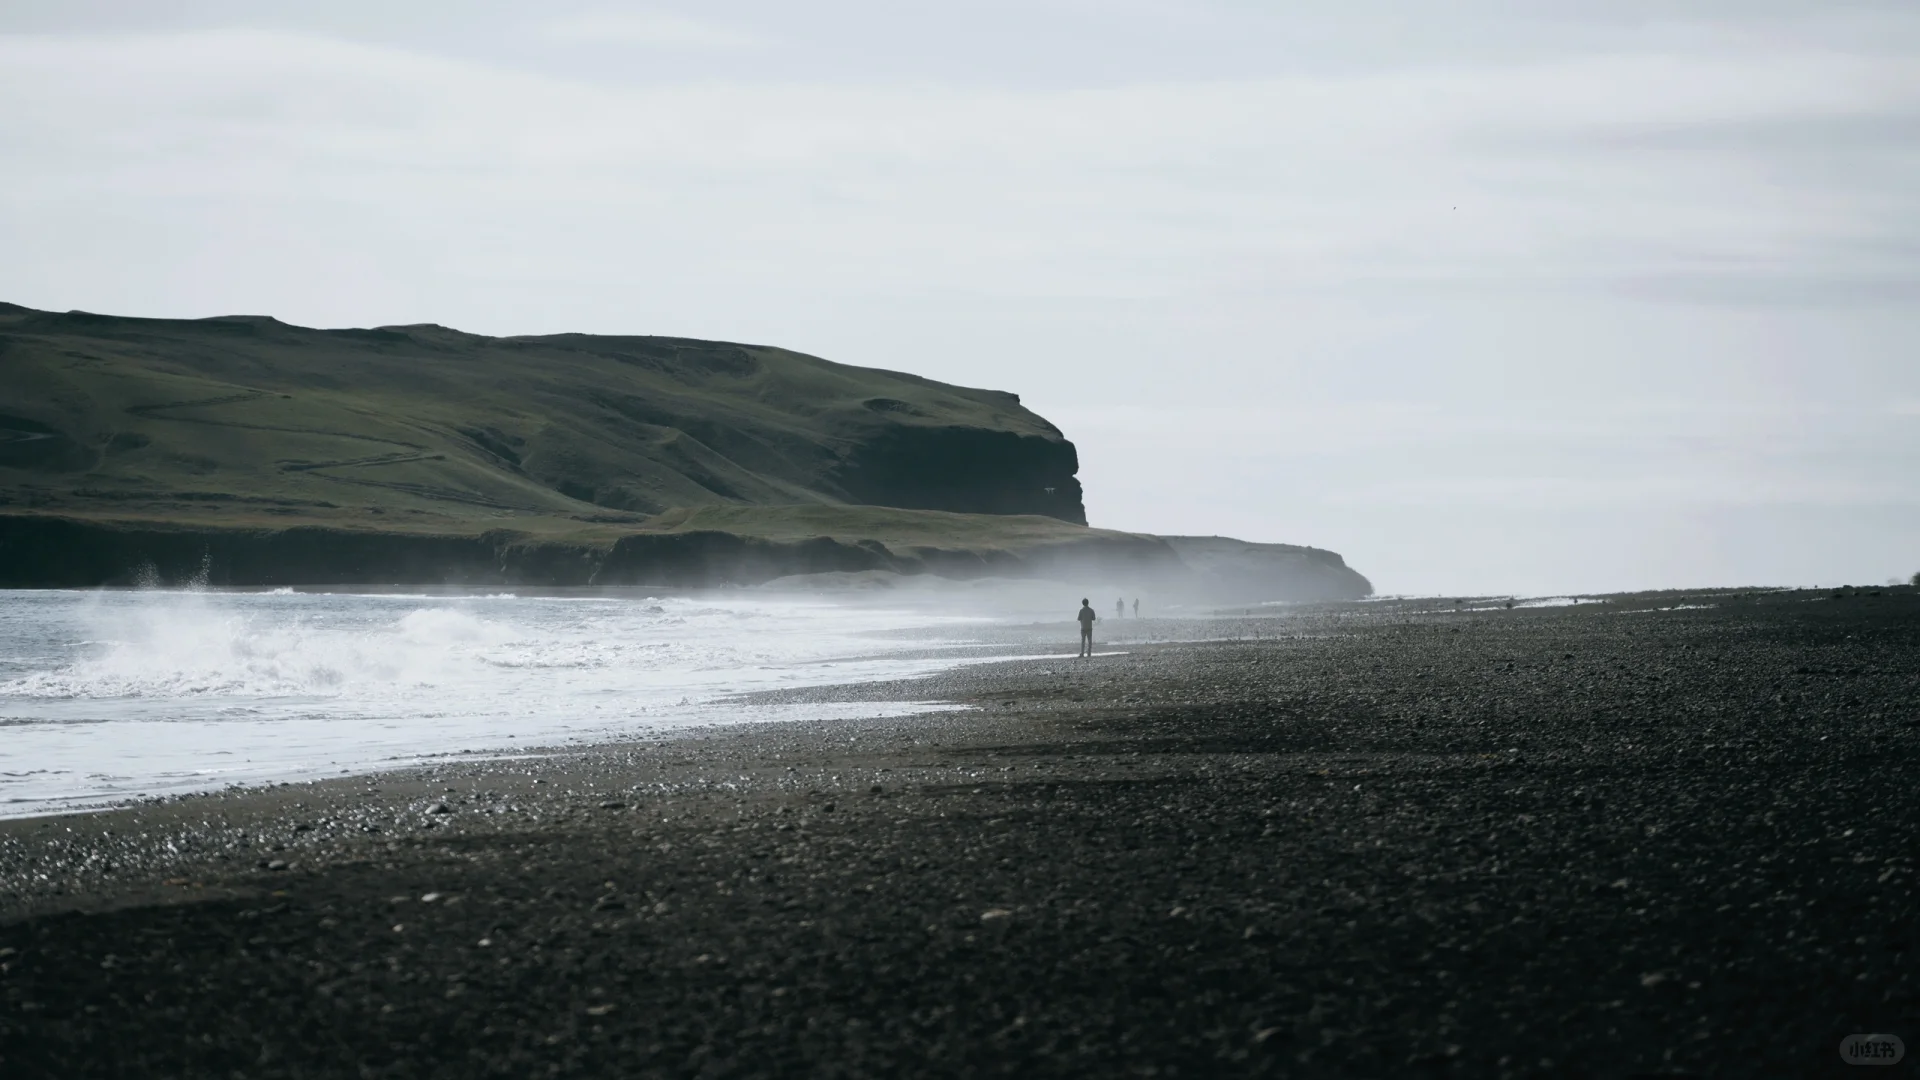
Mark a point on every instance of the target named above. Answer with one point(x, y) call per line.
point(1661, 836)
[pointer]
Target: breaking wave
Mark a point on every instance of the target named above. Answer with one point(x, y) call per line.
point(162, 690)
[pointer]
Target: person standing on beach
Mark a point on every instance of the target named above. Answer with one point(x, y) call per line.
point(1119, 609)
point(1086, 627)
point(1136, 607)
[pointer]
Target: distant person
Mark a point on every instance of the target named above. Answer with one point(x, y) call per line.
point(1086, 627)
point(1136, 607)
point(1119, 609)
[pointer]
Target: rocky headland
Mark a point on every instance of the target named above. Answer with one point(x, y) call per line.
point(244, 451)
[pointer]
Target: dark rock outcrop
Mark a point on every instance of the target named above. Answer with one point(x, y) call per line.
point(971, 470)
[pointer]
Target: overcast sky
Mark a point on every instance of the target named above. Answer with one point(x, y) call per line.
point(1611, 294)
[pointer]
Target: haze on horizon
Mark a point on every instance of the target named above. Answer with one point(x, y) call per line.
point(1614, 294)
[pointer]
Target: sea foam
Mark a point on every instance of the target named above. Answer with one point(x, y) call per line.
point(168, 690)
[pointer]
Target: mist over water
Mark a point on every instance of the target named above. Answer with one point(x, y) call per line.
point(107, 695)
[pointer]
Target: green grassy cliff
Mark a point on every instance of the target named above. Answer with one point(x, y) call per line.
point(424, 427)
point(244, 451)
point(272, 453)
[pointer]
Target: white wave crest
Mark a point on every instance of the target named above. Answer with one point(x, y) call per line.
point(180, 645)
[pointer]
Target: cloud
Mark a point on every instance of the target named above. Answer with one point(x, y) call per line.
point(1579, 455)
point(1125, 191)
point(1775, 291)
point(651, 29)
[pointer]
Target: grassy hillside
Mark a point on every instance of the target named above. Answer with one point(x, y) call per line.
point(249, 451)
point(249, 421)
point(241, 450)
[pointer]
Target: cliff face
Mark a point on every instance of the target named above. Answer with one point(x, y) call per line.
point(244, 420)
point(970, 469)
point(48, 551)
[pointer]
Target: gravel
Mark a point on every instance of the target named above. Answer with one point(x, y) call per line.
point(1662, 835)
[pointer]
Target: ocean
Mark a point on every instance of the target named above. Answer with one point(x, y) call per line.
point(110, 695)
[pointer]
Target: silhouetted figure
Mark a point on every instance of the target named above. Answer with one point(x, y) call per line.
point(1086, 627)
point(1136, 607)
point(1119, 609)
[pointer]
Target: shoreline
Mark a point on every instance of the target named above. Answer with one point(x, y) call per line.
point(1005, 637)
point(1532, 843)
point(925, 637)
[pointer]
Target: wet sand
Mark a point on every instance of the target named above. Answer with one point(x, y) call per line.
point(1368, 841)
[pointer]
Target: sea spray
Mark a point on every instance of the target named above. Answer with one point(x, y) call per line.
point(182, 644)
point(159, 690)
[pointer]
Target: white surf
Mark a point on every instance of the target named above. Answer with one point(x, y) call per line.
point(111, 695)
